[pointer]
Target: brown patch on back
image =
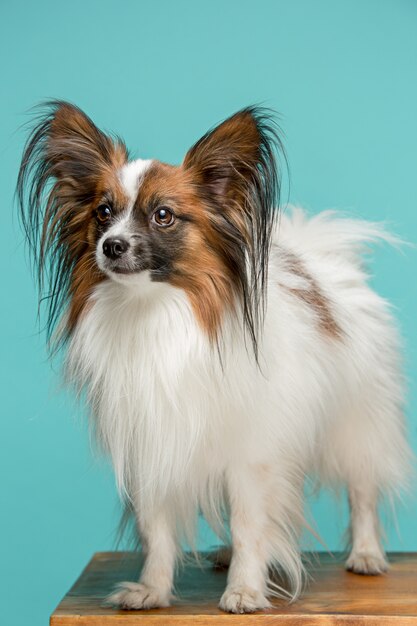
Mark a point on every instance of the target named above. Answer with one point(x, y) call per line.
point(313, 296)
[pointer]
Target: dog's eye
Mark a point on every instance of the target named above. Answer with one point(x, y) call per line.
point(103, 213)
point(163, 217)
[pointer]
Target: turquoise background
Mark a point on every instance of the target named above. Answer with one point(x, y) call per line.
point(342, 74)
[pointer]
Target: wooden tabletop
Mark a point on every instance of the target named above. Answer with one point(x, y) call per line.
point(333, 596)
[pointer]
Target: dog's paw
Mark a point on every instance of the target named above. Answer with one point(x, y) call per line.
point(367, 563)
point(221, 557)
point(136, 596)
point(243, 600)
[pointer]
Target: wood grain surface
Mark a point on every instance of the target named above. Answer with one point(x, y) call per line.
point(332, 596)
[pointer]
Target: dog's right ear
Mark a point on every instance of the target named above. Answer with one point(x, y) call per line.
point(77, 149)
point(67, 146)
point(66, 162)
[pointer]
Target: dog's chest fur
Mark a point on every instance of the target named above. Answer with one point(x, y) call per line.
point(158, 389)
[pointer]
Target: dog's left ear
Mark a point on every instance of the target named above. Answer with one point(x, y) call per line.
point(235, 162)
point(234, 171)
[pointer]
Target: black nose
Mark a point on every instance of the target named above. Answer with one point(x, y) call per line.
point(114, 248)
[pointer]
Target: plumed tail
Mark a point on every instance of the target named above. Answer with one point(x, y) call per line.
point(333, 234)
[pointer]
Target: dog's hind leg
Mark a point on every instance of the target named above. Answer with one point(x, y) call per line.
point(367, 555)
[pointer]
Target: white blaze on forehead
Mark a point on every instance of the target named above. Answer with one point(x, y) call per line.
point(131, 176)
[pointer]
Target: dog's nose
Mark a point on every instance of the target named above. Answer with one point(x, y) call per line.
point(115, 247)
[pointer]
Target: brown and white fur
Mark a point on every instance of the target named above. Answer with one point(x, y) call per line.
point(227, 351)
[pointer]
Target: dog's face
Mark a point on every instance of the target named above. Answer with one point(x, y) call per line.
point(203, 226)
point(154, 220)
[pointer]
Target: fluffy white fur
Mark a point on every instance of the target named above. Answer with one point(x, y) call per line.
point(190, 427)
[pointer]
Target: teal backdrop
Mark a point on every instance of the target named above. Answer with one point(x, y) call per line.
point(343, 75)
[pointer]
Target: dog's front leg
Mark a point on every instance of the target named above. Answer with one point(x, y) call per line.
point(246, 583)
point(154, 588)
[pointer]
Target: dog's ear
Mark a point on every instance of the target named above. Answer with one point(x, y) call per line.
point(66, 162)
point(72, 148)
point(236, 159)
point(234, 170)
point(66, 149)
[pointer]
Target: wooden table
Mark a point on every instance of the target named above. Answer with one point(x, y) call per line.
point(333, 596)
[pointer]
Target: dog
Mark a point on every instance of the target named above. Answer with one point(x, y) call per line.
point(228, 349)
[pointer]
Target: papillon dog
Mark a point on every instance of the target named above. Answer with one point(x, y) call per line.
point(228, 350)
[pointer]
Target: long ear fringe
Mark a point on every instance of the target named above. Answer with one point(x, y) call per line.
point(48, 203)
point(248, 149)
point(263, 208)
point(34, 175)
